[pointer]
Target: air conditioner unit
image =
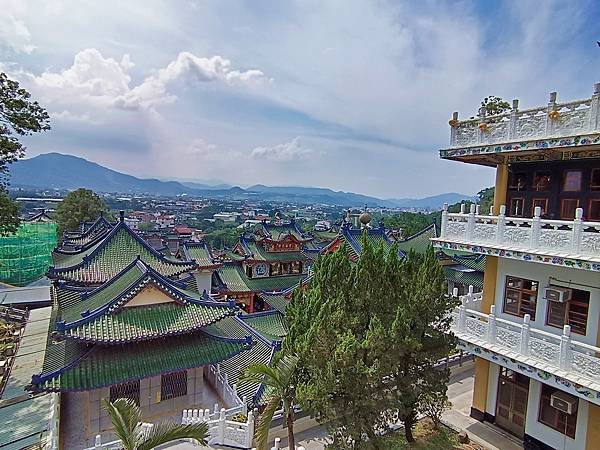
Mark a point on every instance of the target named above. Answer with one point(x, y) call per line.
point(557, 294)
point(564, 402)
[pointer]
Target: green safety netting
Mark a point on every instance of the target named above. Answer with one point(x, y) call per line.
point(26, 255)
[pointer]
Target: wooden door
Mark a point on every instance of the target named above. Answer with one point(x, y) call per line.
point(511, 408)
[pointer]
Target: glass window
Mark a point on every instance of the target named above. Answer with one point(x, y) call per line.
point(516, 207)
point(568, 207)
point(541, 181)
point(518, 181)
point(595, 180)
point(548, 415)
point(594, 211)
point(542, 203)
point(573, 312)
point(173, 385)
point(520, 296)
point(129, 390)
point(572, 181)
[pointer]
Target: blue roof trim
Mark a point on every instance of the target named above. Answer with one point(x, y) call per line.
point(254, 331)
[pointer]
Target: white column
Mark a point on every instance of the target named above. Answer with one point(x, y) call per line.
point(444, 224)
point(577, 231)
point(250, 429)
point(501, 225)
point(525, 332)
point(453, 129)
point(462, 316)
point(536, 225)
point(221, 436)
point(512, 126)
point(594, 123)
point(471, 223)
point(491, 337)
point(565, 349)
point(549, 109)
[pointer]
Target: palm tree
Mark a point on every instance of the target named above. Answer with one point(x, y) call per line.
point(280, 389)
point(125, 416)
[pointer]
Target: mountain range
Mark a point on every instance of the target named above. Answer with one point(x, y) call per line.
point(67, 172)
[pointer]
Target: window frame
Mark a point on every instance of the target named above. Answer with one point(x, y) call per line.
point(544, 209)
point(594, 187)
point(521, 310)
point(169, 383)
point(511, 212)
point(564, 179)
point(589, 211)
point(562, 202)
point(548, 186)
point(545, 394)
point(133, 385)
point(567, 319)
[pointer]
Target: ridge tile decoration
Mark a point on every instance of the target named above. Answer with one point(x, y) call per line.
point(97, 230)
point(557, 125)
point(201, 254)
point(551, 358)
point(573, 243)
point(106, 258)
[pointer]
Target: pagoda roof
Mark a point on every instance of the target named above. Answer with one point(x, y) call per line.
point(102, 314)
point(280, 231)
point(40, 217)
point(279, 300)
point(200, 253)
point(104, 259)
point(232, 278)
point(464, 275)
point(419, 242)
point(351, 237)
point(270, 324)
point(255, 251)
point(73, 366)
point(96, 231)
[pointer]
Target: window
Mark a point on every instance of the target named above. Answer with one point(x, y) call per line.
point(130, 390)
point(595, 180)
point(557, 420)
point(517, 181)
point(516, 207)
point(173, 385)
point(594, 210)
point(572, 181)
point(573, 312)
point(541, 181)
point(568, 207)
point(542, 203)
point(520, 296)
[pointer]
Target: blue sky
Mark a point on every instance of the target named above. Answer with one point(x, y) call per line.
point(349, 95)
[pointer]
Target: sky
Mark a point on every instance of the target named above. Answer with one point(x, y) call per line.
point(351, 95)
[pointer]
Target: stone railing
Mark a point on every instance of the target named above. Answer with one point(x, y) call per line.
point(554, 237)
point(220, 382)
point(222, 431)
point(559, 351)
point(118, 445)
point(554, 120)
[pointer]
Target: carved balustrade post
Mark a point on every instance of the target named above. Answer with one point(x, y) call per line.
point(462, 208)
point(481, 136)
point(525, 333)
point(549, 121)
point(462, 315)
point(514, 117)
point(244, 405)
point(250, 429)
point(594, 123)
point(491, 336)
point(471, 222)
point(577, 231)
point(536, 225)
point(221, 436)
point(444, 224)
point(216, 408)
point(277, 443)
point(477, 209)
point(501, 225)
point(453, 129)
point(98, 442)
point(565, 349)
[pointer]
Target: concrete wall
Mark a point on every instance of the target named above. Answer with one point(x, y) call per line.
point(203, 280)
point(492, 394)
point(540, 273)
point(548, 435)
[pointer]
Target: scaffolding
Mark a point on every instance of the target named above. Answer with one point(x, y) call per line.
point(26, 255)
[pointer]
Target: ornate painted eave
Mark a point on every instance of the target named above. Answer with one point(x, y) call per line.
point(566, 131)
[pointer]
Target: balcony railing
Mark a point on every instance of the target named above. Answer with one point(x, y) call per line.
point(561, 238)
point(519, 339)
point(554, 120)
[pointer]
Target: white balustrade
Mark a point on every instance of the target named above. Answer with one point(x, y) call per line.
point(221, 430)
point(574, 238)
point(220, 382)
point(550, 121)
point(507, 337)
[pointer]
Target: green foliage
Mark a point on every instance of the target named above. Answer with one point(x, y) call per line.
point(279, 382)
point(80, 205)
point(367, 336)
point(21, 116)
point(226, 236)
point(494, 105)
point(126, 417)
point(409, 222)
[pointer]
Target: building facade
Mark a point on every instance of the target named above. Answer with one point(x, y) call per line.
point(535, 327)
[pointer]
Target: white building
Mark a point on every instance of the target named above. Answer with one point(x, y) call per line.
point(535, 328)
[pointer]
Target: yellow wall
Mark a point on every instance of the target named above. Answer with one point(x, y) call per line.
point(480, 388)
point(501, 187)
point(593, 427)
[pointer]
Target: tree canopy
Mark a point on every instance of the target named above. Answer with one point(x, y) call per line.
point(20, 116)
point(368, 335)
point(80, 205)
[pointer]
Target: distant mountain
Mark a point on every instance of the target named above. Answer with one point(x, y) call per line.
point(58, 171)
point(55, 170)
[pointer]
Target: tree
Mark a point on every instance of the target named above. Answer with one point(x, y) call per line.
point(368, 336)
point(494, 105)
point(80, 205)
point(21, 116)
point(125, 416)
point(279, 383)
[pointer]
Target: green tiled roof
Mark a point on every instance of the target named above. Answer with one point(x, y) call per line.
point(99, 228)
point(258, 252)
point(112, 254)
point(131, 324)
point(270, 324)
point(199, 252)
point(278, 301)
point(235, 280)
point(419, 242)
point(467, 277)
point(277, 232)
point(86, 369)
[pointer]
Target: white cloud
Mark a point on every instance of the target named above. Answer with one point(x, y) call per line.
point(14, 34)
point(288, 151)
